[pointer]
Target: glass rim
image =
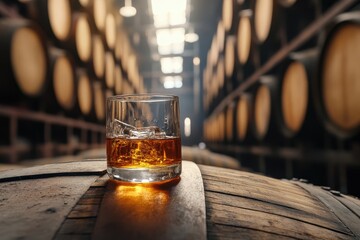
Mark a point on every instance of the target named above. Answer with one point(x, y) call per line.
point(143, 97)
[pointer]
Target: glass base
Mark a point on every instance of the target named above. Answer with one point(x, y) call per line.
point(145, 175)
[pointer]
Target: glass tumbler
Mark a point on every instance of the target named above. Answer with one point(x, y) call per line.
point(143, 141)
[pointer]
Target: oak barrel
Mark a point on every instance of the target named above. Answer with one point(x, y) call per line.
point(80, 41)
point(230, 11)
point(244, 117)
point(220, 34)
point(229, 64)
point(125, 50)
point(99, 101)
point(266, 20)
point(214, 86)
point(244, 36)
point(118, 80)
point(98, 54)
point(98, 14)
point(23, 60)
point(109, 70)
point(229, 56)
point(220, 127)
point(228, 14)
point(214, 51)
point(207, 157)
point(53, 16)
point(338, 85)
point(85, 93)
point(66, 200)
point(298, 114)
point(220, 75)
point(132, 67)
point(126, 86)
point(119, 44)
point(60, 94)
point(247, 60)
point(110, 30)
point(206, 84)
point(214, 129)
point(229, 123)
point(81, 4)
point(265, 110)
point(268, 27)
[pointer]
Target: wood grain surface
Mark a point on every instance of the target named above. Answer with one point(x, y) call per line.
point(174, 210)
point(242, 205)
point(94, 167)
point(35, 208)
point(239, 205)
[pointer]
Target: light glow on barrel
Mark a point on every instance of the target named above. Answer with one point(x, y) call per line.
point(244, 39)
point(242, 117)
point(227, 14)
point(229, 56)
point(262, 110)
point(83, 38)
point(64, 85)
point(263, 16)
point(341, 72)
point(98, 56)
point(60, 18)
point(85, 94)
point(28, 59)
point(295, 94)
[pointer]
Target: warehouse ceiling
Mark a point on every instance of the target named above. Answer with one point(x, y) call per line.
point(201, 17)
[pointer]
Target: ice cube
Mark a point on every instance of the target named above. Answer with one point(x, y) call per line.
point(147, 132)
point(120, 128)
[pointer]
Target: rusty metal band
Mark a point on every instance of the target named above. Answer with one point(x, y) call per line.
point(335, 202)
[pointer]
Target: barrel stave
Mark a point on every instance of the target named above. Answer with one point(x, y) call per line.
point(24, 67)
point(238, 204)
point(337, 90)
point(305, 124)
point(225, 207)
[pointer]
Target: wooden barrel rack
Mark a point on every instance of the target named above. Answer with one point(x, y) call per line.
point(13, 151)
point(89, 63)
point(327, 132)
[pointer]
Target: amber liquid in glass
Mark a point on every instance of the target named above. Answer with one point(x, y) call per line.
point(143, 153)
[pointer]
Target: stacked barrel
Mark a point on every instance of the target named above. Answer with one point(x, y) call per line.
point(65, 57)
point(309, 95)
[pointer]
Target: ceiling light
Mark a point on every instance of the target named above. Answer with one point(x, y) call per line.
point(191, 37)
point(161, 20)
point(177, 18)
point(170, 40)
point(165, 6)
point(173, 82)
point(178, 82)
point(187, 127)
point(169, 13)
point(165, 49)
point(169, 83)
point(170, 36)
point(171, 65)
point(166, 20)
point(196, 61)
point(177, 48)
point(128, 10)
